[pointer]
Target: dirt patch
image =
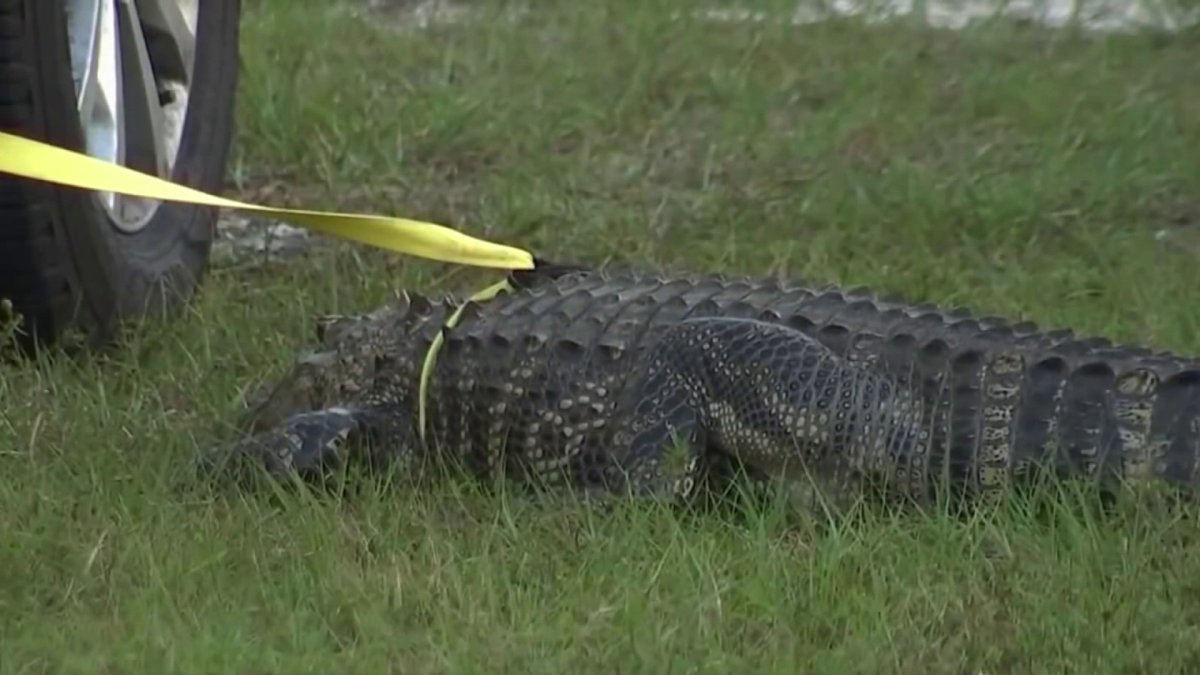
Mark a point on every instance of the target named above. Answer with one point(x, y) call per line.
point(251, 239)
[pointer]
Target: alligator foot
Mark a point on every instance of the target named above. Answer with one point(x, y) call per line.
point(311, 445)
point(770, 397)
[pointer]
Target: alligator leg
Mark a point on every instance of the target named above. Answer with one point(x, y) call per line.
point(311, 444)
point(667, 441)
point(772, 398)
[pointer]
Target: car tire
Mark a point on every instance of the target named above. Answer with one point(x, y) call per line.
point(67, 262)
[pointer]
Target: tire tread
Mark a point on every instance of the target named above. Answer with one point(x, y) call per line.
point(54, 265)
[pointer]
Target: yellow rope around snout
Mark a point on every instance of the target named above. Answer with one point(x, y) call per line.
point(32, 159)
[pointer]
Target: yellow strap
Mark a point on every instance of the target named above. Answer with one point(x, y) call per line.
point(32, 159)
point(435, 347)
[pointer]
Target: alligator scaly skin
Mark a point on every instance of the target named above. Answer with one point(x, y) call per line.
point(624, 381)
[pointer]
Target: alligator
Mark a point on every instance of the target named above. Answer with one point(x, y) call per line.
point(635, 383)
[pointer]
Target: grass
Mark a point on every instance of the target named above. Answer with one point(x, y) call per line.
point(1045, 175)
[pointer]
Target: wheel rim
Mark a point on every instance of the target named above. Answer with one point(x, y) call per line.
point(132, 62)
